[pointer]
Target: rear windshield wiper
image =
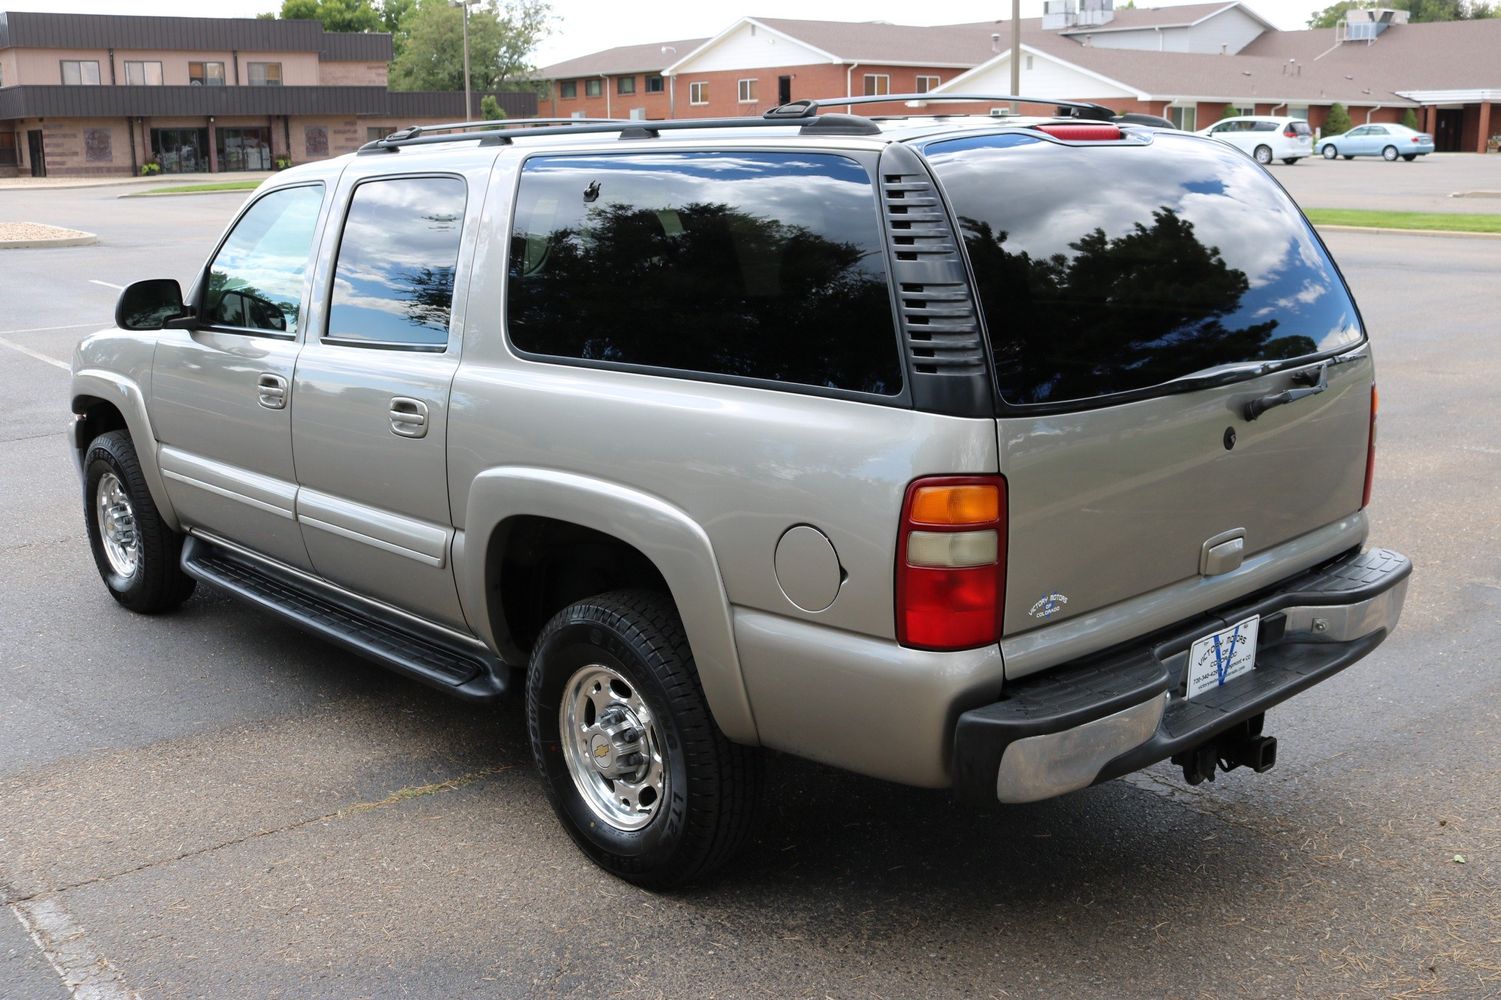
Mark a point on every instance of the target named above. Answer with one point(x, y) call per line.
point(1209, 378)
point(1316, 380)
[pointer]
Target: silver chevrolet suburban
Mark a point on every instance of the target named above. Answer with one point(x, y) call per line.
point(997, 453)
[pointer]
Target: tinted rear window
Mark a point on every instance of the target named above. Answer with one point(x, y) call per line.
point(1112, 269)
point(1301, 128)
point(764, 266)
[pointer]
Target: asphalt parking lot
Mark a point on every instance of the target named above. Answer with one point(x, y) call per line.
point(211, 804)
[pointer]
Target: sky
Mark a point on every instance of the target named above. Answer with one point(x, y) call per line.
point(585, 26)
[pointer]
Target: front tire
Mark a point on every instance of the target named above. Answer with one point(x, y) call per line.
point(137, 554)
point(632, 761)
point(1389, 154)
point(1330, 152)
point(1263, 155)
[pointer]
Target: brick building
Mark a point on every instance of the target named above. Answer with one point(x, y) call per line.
point(1189, 63)
point(103, 94)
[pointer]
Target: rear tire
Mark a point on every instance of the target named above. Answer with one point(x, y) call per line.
point(1263, 155)
point(1409, 157)
point(632, 761)
point(1389, 154)
point(138, 555)
point(1349, 156)
point(1290, 160)
point(1330, 152)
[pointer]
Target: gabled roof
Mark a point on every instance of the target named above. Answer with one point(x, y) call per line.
point(648, 58)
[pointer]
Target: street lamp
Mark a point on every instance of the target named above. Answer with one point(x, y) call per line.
point(465, 5)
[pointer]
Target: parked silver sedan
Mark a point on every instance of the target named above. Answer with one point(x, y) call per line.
point(1385, 141)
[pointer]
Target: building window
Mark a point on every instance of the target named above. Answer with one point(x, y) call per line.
point(398, 299)
point(654, 84)
point(143, 74)
point(625, 85)
point(180, 150)
point(594, 87)
point(7, 149)
point(698, 93)
point(264, 74)
point(244, 148)
point(747, 91)
point(877, 83)
point(568, 89)
point(375, 133)
point(205, 74)
point(1185, 118)
point(77, 73)
point(927, 83)
point(1298, 112)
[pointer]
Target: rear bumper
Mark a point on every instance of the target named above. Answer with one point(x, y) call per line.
point(1124, 709)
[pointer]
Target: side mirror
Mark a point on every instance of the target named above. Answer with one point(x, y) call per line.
point(148, 305)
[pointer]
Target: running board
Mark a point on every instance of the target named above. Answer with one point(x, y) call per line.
point(429, 655)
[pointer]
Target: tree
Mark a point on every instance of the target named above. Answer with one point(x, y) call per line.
point(1338, 121)
point(334, 15)
point(1410, 118)
point(501, 37)
point(489, 108)
point(1228, 111)
point(1421, 11)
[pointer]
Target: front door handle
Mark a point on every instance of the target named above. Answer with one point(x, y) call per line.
point(272, 390)
point(408, 417)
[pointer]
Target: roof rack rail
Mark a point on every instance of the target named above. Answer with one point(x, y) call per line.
point(415, 131)
point(628, 128)
point(1079, 109)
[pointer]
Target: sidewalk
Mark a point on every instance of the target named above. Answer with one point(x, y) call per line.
point(37, 183)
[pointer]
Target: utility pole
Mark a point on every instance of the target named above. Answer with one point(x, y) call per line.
point(464, 5)
point(1016, 53)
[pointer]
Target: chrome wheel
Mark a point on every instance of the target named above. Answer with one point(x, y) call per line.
point(117, 525)
point(613, 747)
point(1330, 152)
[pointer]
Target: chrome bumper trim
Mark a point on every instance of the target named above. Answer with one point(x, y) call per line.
point(1040, 767)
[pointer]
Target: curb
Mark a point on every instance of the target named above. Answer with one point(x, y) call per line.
point(1408, 232)
point(182, 194)
point(87, 239)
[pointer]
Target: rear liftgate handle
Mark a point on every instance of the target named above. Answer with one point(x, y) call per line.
point(408, 417)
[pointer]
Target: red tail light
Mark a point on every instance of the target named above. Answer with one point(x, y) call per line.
point(1416, 138)
point(1290, 132)
point(1370, 453)
point(951, 562)
point(1083, 133)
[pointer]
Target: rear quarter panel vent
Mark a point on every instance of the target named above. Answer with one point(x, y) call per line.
point(935, 304)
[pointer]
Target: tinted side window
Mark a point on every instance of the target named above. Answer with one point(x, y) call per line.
point(762, 266)
point(1264, 126)
point(393, 283)
point(255, 280)
point(1112, 269)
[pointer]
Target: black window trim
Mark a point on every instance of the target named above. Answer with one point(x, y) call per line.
point(1006, 408)
point(868, 161)
point(451, 343)
point(200, 295)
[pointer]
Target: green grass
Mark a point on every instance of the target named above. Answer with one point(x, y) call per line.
point(196, 188)
point(1464, 223)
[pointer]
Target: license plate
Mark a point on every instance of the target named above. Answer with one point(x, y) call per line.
point(1222, 656)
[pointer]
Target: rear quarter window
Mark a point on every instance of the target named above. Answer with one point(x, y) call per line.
point(1111, 269)
point(759, 266)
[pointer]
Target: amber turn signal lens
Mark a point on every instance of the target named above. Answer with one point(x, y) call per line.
point(969, 504)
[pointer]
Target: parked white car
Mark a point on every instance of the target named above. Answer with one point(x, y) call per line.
point(1265, 139)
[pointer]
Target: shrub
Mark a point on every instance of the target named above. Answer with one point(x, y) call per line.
point(1338, 121)
point(1410, 118)
point(489, 108)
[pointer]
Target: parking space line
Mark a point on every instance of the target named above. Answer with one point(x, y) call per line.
point(65, 945)
point(35, 354)
point(45, 329)
point(107, 284)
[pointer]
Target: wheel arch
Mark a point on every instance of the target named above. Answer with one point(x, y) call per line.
point(676, 548)
point(103, 401)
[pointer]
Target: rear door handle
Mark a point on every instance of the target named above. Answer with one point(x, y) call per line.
point(408, 417)
point(272, 390)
